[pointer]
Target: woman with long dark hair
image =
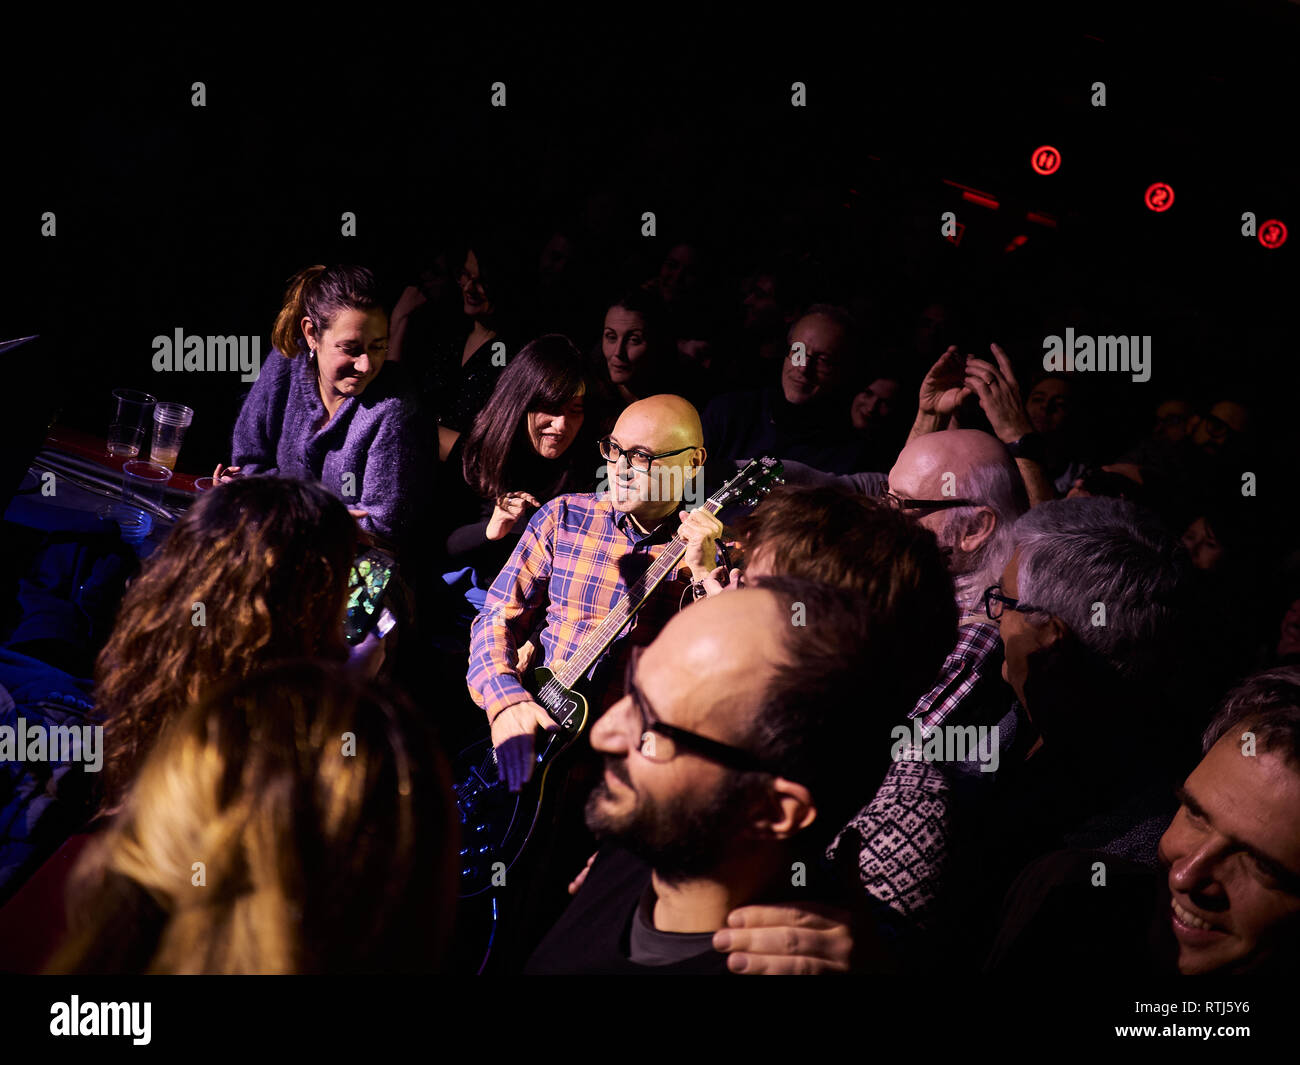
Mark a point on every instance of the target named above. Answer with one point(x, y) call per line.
point(534, 440)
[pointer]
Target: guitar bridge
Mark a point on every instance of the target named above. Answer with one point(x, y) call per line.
point(568, 712)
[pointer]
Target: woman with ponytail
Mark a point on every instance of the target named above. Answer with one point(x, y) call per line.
point(323, 412)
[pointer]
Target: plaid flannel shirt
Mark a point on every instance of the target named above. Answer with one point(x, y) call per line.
point(962, 670)
point(573, 562)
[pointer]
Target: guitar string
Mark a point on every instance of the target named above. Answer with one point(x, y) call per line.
point(613, 623)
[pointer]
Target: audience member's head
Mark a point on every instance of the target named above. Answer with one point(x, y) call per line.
point(555, 262)
point(638, 349)
point(537, 411)
point(1171, 420)
point(1233, 849)
point(878, 405)
point(1224, 424)
point(964, 486)
point(822, 355)
point(335, 316)
point(845, 539)
point(1224, 535)
point(933, 322)
point(700, 332)
point(490, 280)
point(1048, 403)
point(295, 822)
point(1095, 589)
point(774, 293)
point(768, 306)
point(257, 570)
point(681, 273)
point(787, 684)
point(1203, 547)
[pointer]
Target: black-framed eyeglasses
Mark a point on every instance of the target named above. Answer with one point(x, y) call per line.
point(995, 602)
point(896, 502)
point(638, 458)
point(658, 741)
point(1218, 429)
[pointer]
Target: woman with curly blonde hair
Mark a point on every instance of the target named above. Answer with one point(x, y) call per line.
point(296, 822)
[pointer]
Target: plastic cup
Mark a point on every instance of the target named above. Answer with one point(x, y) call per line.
point(130, 425)
point(142, 482)
point(170, 420)
point(134, 522)
point(204, 484)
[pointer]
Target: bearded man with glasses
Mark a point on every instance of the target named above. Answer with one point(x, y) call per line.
point(739, 747)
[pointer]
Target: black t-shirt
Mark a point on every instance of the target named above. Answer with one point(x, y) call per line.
point(597, 932)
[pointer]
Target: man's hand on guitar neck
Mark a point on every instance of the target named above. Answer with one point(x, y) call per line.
point(701, 531)
point(512, 736)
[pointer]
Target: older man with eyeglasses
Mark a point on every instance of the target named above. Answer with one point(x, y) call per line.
point(966, 488)
point(579, 555)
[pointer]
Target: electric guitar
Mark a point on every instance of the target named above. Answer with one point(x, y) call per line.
point(496, 824)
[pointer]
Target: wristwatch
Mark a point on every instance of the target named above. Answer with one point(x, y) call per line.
point(1031, 446)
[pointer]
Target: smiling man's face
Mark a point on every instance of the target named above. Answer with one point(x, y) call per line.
point(1233, 855)
point(656, 426)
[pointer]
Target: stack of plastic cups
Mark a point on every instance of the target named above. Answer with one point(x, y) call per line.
point(170, 420)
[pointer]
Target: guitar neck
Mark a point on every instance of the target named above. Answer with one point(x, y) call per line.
point(593, 646)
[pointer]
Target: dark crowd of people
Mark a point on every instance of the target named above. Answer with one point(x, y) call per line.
point(994, 677)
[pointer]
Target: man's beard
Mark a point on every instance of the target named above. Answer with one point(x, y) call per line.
point(681, 839)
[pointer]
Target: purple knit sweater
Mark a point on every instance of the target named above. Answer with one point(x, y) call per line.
point(375, 438)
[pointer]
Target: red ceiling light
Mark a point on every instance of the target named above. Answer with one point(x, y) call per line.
point(1016, 242)
point(1045, 160)
point(1041, 219)
point(983, 201)
point(1272, 234)
point(1160, 197)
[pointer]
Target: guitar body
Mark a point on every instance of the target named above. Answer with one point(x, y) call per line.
point(495, 823)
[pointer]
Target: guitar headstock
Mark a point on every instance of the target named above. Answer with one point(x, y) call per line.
point(750, 484)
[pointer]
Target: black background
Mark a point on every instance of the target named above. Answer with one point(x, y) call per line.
point(172, 216)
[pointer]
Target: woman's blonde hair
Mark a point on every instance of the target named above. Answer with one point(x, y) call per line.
point(298, 822)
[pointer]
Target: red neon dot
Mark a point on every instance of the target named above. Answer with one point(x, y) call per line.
point(1160, 197)
point(1272, 234)
point(1045, 160)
